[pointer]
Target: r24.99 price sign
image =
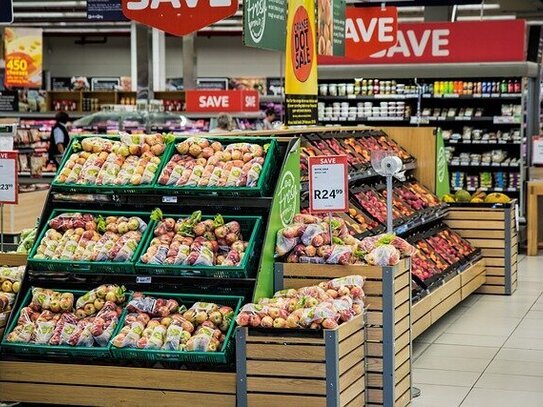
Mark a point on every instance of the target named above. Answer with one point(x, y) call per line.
point(8, 177)
point(328, 184)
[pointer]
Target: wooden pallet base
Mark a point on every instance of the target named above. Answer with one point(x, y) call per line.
point(91, 385)
point(425, 312)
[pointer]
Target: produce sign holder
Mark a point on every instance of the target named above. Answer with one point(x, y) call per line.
point(302, 367)
point(429, 309)
point(85, 267)
point(13, 259)
point(250, 228)
point(263, 185)
point(108, 188)
point(493, 229)
point(94, 352)
point(388, 330)
point(151, 355)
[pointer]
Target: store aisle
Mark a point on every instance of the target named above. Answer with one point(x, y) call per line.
point(488, 351)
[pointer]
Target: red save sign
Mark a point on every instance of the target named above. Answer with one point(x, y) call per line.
point(216, 101)
point(9, 181)
point(369, 30)
point(328, 184)
point(179, 17)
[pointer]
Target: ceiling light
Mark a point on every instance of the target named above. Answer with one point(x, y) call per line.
point(478, 18)
point(410, 19)
point(477, 7)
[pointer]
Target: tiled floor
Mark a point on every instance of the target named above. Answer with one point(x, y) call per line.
point(488, 351)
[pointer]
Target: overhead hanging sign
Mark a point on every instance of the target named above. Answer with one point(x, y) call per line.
point(264, 24)
point(9, 187)
point(6, 12)
point(216, 101)
point(331, 27)
point(369, 30)
point(328, 184)
point(442, 42)
point(105, 10)
point(179, 17)
point(301, 64)
point(23, 49)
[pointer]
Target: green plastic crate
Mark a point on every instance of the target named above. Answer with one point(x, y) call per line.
point(60, 350)
point(262, 188)
point(250, 229)
point(87, 266)
point(105, 189)
point(223, 356)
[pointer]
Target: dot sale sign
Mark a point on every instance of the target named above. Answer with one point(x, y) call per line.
point(328, 184)
point(23, 57)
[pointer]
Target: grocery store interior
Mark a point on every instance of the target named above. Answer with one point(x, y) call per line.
point(271, 203)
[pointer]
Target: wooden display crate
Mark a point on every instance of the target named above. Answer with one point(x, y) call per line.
point(10, 260)
point(93, 385)
point(494, 231)
point(388, 329)
point(302, 368)
point(441, 300)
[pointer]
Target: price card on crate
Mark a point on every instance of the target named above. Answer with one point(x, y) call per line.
point(9, 186)
point(328, 184)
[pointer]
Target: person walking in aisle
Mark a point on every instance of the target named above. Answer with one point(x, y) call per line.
point(59, 138)
point(224, 124)
point(269, 119)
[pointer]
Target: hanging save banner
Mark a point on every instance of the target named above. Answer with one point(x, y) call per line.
point(301, 64)
point(331, 27)
point(23, 50)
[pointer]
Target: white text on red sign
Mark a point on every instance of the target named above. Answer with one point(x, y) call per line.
point(176, 4)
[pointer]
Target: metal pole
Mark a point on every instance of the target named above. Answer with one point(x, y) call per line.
point(1, 227)
point(390, 221)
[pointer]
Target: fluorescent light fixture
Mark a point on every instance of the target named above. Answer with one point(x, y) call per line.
point(477, 7)
point(534, 22)
point(478, 18)
point(409, 9)
point(410, 19)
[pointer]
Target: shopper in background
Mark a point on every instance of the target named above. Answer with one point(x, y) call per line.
point(269, 119)
point(224, 123)
point(59, 139)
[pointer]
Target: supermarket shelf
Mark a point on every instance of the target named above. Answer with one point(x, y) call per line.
point(473, 96)
point(237, 115)
point(32, 180)
point(432, 216)
point(365, 119)
point(368, 97)
point(44, 174)
point(272, 99)
point(483, 142)
point(481, 119)
point(496, 167)
point(40, 115)
point(512, 190)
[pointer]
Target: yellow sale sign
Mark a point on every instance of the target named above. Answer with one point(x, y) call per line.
point(23, 49)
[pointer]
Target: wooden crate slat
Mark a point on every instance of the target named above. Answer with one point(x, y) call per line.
point(481, 223)
point(282, 352)
point(492, 253)
point(282, 400)
point(487, 244)
point(375, 349)
point(290, 385)
point(439, 310)
point(421, 325)
point(481, 234)
point(282, 340)
point(358, 400)
point(492, 280)
point(286, 368)
point(111, 376)
point(346, 330)
point(13, 259)
point(473, 285)
point(351, 359)
point(355, 389)
point(421, 308)
point(108, 396)
point(351, 376)
point(495, 261)
point(495, 271)
point(376, 317)
point(352, 342)
point(460, 214)
point(402, 386)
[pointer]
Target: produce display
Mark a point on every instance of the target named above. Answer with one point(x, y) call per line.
point(56, 318)
point(326, 240)
point(86, 237)
point(200, 162)
point(10, 284)
point(375, 204)
point(131, 160)
point(319, 307)
point(165, 324)
point(196, 242)
point(464, 196)
point(28, 236)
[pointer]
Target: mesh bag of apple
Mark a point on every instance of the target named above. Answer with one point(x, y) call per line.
point(327, 240)
point(323, 306)
point(204, 163)
point(86, 237)
point(56, 318)
point(196, 242)
point(165, 324)
point(10, 284)
point(133, 160)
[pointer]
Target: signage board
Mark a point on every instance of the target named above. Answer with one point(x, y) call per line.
point(6, 12)
point(216, 101)
point(331, 27)
point(9, 101)
point(179, 17)
point(9, 187)
point(105, 10)
point(446, 42)
point(23, 49)
point(328, 184)
point(264, 24)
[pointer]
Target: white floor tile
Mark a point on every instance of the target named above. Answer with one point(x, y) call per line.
point(518, 342)
point(516, 367)
point(501, 398)
point(461, 351)
point(426, 361)
point(419, 348)
point(440, 396)
point(510, 382)
point(471, 340)
point(477, 325)
point(521, 355)
point(444, 377)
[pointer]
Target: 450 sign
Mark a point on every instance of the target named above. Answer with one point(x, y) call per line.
point(179, 17)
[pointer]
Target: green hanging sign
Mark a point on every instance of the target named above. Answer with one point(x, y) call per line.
point(264, 24)
point(286, 204)
point(442, 167)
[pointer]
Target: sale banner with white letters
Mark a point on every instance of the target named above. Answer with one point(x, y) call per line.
point(23, 48)
point(301, 63)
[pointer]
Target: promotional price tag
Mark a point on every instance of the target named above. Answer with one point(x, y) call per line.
point(328, 184)
point(9, 187)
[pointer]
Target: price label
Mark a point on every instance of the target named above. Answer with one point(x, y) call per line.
point(328, 184)
point(9, 186)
